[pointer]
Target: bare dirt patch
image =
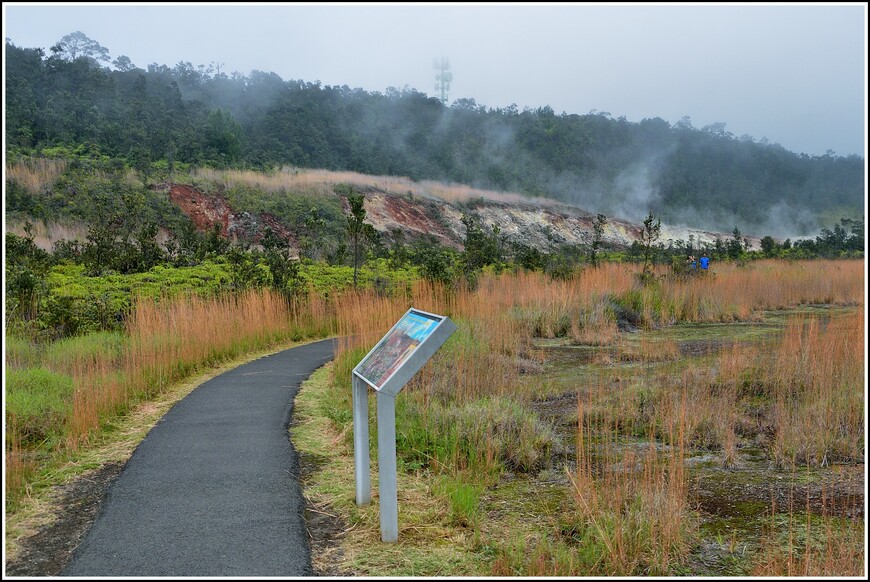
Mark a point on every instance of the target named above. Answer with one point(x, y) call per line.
point(325, 528)
point(48, 551)
point(206, 210)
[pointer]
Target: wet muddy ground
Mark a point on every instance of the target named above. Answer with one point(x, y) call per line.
point(735, 505)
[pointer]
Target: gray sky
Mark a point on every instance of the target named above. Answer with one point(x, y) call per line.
point(795, 74)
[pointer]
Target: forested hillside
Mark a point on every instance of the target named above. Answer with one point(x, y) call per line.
point(73, 100)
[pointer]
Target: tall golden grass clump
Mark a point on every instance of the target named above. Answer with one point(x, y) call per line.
point(737, 293)
point(772, 284)
point(818, 385)
point(170, 340)
point(502, 315)
point(35, 174)
point(579, 308)
point(165, 341)
point(630, 505)
point(19, 463)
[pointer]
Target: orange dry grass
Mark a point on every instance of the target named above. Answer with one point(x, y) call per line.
point(506, 311)
point(168, 341)
point(814, 378)
point(483, 365)
point(19, 467)
point(633, 503)
point(812, 549)
point(818, 380)
point(771, 284)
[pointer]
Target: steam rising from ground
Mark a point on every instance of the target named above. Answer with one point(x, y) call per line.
point(623, 183)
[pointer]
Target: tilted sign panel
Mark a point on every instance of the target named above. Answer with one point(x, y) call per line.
point(397, 347)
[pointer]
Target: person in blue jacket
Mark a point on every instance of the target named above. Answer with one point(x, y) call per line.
point(705, 262)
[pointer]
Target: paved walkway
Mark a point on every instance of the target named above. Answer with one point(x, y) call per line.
point(212, 490)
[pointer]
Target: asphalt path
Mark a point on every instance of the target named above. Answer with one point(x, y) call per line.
point(212, 490)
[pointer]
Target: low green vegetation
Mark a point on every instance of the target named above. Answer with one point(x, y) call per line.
point(40, 401)
point(69, 303)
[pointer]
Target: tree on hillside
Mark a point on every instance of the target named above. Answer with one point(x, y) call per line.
point(358, 231)
point(222, 139)
point(76, 45)
point(436, 262)
point(597, 235)
point(123, 63)
point(398, 253)
point(283, 268)
point(481, 248)
point(25, 268)
point(652, 229)
point(768, 246)
point(310, 232)
point(735, 246)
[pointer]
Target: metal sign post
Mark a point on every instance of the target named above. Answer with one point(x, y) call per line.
point(361, 441)
point(388, 485)
point(387, 368)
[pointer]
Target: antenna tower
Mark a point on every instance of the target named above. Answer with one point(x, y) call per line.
point(442, 77)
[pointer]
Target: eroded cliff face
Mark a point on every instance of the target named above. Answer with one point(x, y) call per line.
point(544, 225)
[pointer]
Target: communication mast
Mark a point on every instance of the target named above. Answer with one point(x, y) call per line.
point(442, 77)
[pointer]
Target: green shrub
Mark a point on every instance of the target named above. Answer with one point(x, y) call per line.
point(38, 403)
point(483, 436)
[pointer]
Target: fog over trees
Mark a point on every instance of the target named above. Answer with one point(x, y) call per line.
point(79, 98)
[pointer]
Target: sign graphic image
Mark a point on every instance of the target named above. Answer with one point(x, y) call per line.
point(396, 347)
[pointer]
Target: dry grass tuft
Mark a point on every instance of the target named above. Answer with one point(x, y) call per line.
point(35, 174)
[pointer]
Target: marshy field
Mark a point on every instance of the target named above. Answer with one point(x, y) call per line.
point(588, 426)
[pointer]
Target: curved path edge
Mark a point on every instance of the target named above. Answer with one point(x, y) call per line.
point(213, 488)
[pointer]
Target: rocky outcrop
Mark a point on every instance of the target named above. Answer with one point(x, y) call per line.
point(543, 226)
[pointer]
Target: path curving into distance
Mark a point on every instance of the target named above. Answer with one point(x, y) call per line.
point(212, 490)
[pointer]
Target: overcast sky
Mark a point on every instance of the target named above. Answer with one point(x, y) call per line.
point(794, 74)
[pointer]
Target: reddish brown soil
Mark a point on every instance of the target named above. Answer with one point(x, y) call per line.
point(207, 209)
point(203, 210)
point(414, 218)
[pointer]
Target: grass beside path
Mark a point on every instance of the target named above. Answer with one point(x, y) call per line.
point(429, 545)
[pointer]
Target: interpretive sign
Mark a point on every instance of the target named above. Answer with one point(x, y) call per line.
point(404, 350)
point(387, 368)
